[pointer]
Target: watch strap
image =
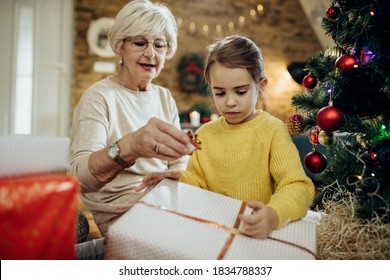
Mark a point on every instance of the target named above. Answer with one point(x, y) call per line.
point(118, 159)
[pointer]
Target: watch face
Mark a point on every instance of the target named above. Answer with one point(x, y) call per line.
point(112, 152)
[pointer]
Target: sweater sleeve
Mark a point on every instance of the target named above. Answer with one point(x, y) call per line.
point(89, 133)
point(294, 191)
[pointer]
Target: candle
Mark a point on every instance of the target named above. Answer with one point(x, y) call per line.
point(195, 118)
point(214, 117)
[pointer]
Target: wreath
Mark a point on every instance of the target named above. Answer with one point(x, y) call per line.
point(190, 70)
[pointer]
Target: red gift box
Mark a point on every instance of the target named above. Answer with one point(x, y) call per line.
point(38, 217)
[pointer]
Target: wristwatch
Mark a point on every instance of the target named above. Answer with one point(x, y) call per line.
point(114, 151)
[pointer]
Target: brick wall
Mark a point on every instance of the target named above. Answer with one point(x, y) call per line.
point(282, 31)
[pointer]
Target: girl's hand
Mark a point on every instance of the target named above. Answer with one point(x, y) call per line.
point(152, 179)
point(262, 222)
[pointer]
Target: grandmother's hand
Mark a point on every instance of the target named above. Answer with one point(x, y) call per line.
point(156, 139)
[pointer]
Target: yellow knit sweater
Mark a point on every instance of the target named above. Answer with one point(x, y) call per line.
point(256, 160)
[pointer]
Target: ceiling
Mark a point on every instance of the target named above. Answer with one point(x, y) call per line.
point(315, 11)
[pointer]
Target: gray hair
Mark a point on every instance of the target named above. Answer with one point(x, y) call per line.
point(235, 52)
point(140, 17)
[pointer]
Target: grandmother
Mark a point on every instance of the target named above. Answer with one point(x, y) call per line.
point(125, 126)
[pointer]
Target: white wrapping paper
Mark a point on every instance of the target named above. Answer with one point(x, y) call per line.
point(27, 155)
point(179, 221)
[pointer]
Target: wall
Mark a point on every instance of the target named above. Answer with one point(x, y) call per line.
point(281, 30)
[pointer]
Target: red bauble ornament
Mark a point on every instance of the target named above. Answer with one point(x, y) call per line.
point(347, 62)
point(309, 81)
point(315, 162)
point(313, 136)
point(329, 118)
point(332, 12)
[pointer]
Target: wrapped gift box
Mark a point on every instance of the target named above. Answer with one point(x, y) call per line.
point(179, 221)
point(38, 217)
point(30, 155)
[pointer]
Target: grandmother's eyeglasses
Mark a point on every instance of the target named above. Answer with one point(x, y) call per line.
point(139, 44)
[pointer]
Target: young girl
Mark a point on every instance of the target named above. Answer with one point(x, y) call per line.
point(246, 154)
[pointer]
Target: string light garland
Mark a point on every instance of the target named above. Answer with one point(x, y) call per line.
point(228, 26)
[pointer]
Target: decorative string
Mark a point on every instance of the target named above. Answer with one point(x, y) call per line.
point(359, 181)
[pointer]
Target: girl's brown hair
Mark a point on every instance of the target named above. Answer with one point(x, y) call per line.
point(236, 52)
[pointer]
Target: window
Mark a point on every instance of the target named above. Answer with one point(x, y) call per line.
point(24, 71)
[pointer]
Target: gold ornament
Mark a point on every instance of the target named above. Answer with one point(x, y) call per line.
point(325, 138)
point(361, 141)
point(294, 124)
point(334, 52)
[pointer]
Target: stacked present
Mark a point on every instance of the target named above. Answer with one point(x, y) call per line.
point(38, 202)
point(179, 221)
point(37, 217)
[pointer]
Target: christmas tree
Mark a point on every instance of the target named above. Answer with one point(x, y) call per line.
point(346, 107)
